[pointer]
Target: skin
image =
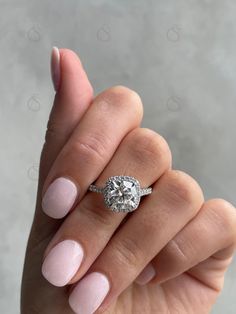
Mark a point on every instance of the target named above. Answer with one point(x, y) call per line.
point(188, 240)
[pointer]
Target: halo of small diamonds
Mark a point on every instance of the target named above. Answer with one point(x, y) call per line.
point(121, 193)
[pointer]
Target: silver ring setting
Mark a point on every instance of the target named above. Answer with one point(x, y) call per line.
point(121, 193)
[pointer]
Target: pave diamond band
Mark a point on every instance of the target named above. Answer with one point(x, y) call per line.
point(121, 193)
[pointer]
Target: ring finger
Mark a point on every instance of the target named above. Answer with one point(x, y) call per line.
point(87, 230)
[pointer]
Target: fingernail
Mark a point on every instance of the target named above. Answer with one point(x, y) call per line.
point(89, 293)
point(55, 68)
point(146, 275)
point(62, 262)
point(59, 198)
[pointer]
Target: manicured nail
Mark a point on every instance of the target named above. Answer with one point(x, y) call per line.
point(59, 198)
point(146, 275)
point(89, 293)
point(62, 262)
point(55, 68)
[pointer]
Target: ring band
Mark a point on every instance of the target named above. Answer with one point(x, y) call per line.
point(121, 193)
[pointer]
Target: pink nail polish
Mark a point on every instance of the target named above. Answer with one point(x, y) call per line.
point(146, 275)
point(89, 293)
point(55, 68)
point(62, 262)
point(59, 198)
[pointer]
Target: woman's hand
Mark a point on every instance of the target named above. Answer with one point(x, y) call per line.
point(168, 256)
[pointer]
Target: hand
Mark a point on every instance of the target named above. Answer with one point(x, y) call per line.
point(168, 256)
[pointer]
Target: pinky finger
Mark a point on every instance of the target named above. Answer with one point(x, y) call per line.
point(204, 248)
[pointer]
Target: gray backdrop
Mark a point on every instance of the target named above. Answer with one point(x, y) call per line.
point(180, 56)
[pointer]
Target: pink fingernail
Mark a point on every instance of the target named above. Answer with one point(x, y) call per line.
point(89, 293)
point(62, 262)
point(55, 68)
point(59, 198)
point(146, 275)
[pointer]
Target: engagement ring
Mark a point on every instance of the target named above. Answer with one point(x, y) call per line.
point(121, 193)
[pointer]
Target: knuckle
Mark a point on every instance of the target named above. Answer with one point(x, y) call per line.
point(124, 98)
point(182, 188)
point(124, 93)
point(127, 252)
point(177, 252)
point(224, 215)
point(91, 146)
point(147, 145)
point(53, 132)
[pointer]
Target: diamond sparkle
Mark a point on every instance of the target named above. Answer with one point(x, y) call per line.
point(122, 193)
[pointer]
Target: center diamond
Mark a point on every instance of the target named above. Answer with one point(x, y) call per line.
point(122, 193)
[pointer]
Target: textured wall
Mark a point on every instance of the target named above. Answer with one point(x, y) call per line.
point(178, 55)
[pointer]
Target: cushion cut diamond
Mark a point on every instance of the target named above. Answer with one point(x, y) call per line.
point(122, 193)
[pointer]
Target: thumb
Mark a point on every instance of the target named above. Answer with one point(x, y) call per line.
point(73, 96)
point(74, 93)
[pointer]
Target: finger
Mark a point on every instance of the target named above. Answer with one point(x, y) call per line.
point(175, 200)
point(91, 224)
point(73, 97)
point(112, 115)
point(71, 101)
point(74, 94)
point(210, 236)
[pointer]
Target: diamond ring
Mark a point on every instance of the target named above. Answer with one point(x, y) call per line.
point(121, 193)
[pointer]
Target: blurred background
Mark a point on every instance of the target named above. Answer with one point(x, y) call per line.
point(180, 56)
